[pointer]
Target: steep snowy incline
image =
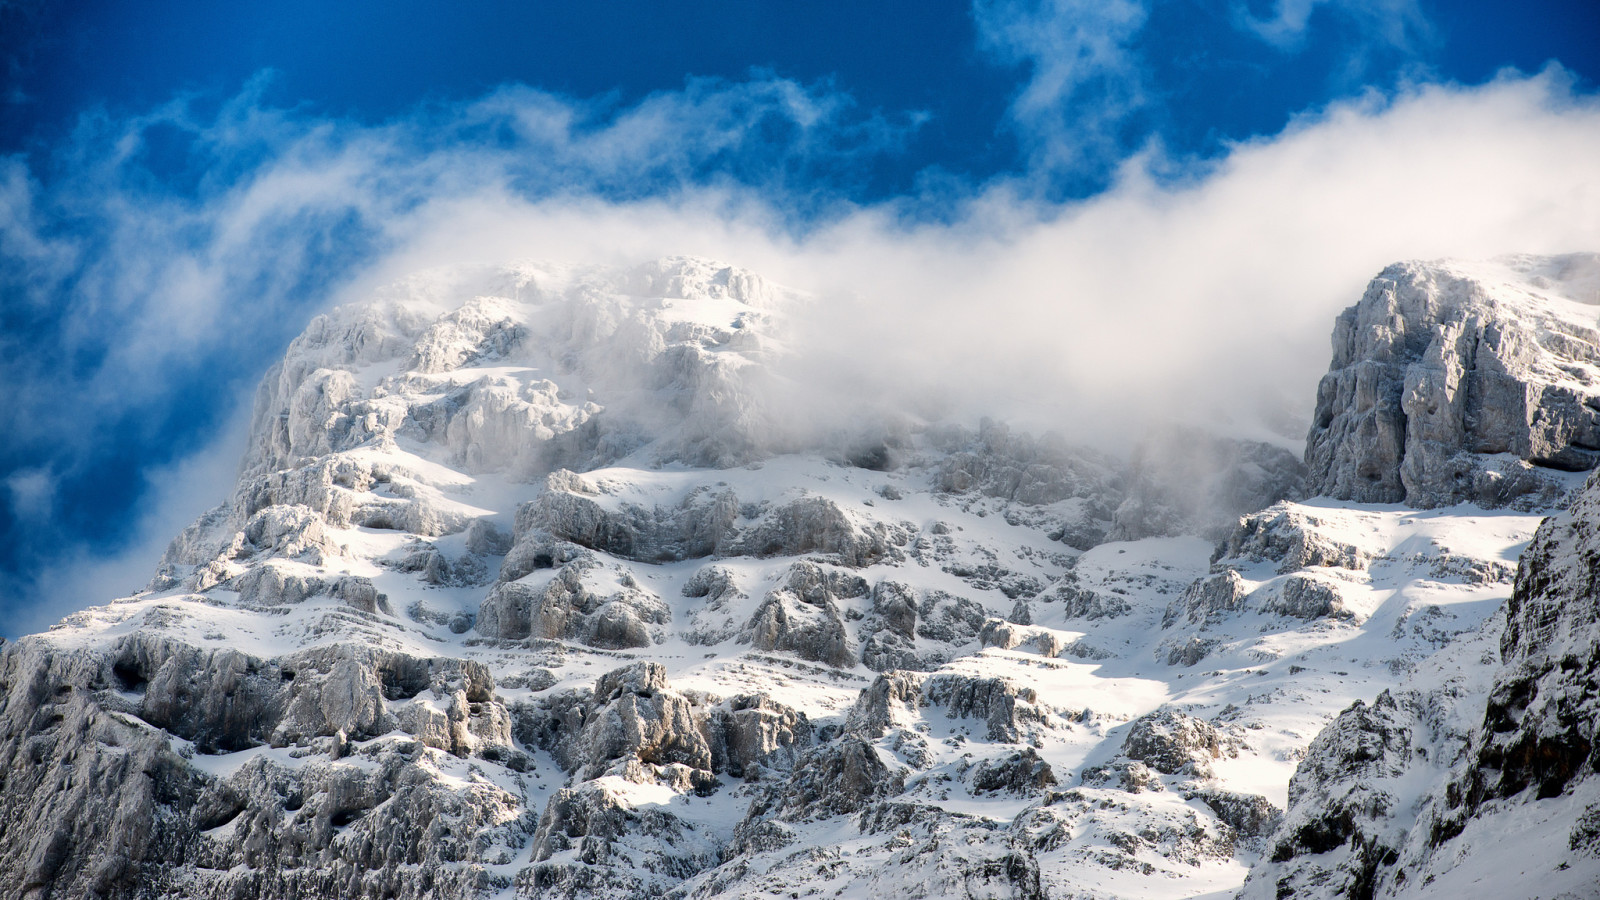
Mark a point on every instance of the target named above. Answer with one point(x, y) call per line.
point(531, 586)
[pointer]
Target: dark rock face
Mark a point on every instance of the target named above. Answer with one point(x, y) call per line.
point(1444, 390)
point(1540, 726)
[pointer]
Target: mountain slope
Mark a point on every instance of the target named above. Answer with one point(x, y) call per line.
point(534, 585)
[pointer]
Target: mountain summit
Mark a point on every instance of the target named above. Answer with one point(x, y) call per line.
point(535, 584)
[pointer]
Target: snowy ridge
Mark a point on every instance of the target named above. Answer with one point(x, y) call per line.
point(531, 588)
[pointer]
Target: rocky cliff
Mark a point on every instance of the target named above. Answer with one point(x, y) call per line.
point(529, 588)
point(1474, 779)
point(1456, 382)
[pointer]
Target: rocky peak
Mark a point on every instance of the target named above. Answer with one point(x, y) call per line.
point(1453, 382)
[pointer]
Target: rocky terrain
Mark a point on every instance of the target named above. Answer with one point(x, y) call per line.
point(532, 587)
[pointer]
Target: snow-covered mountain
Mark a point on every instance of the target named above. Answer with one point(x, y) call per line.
point(538, 583)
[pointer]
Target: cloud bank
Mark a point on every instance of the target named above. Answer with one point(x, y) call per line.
point(157, 265)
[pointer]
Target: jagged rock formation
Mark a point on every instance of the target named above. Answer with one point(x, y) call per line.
point(1458, 383)
point(1426, 790)
point(526, 591)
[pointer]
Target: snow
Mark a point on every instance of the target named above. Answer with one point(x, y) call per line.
point(1275, 680)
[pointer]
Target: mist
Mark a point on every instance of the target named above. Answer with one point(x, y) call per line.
point(1190, 291)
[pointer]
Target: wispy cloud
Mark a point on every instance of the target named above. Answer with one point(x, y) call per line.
point(1396, 24)
point(1084, 82)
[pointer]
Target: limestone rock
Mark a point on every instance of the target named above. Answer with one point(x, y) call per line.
point(803, 616)
point(1291, 537)
point(1207, 599)
point(1175, 743)
point(1451, 384)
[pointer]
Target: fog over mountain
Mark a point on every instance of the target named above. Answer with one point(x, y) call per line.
point(1033, 449)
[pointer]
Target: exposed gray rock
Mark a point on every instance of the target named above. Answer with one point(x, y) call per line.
point(590, 843)
point(568, 510)
point(564, 608)
point(1132, 776)
point(837, 778)
point(1342, 798)
point(1436, 372)
point(1207, 599)
point(1080, 602)
point(1176, 743)
point(803, 616)
point(1306, 597)
point(273, 583)
point(1188, 651)
point(818, 525)
point(634, 716)
point(1288, 535)
point(753, 735)
point(1022, 772)
point(1021, 468)
point(102, 803)
point(1251, 815)
point(717, 619)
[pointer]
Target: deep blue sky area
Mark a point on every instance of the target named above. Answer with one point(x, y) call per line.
point(923, 102)
point(1216, 81)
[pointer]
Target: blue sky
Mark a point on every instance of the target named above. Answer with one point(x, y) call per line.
point(182, 184)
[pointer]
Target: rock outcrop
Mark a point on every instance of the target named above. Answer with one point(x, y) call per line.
point(1392, 797)
point(1453, 384)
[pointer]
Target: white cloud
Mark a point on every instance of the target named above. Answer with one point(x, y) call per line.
point(1083, 80)
point(1397, 24)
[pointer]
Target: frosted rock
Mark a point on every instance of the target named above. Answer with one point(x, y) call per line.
point(1207, 599)
point(275, 582)
point(1022, 772)
point(1252, 816)
point(752, 735)
point(485, 539)
point(803, 616)
point(1131, 776)
point(835, 779)
point(635, 716)
point(1305, 597)
point(1188, 651)
point(564, 608)
point(292, 532)
point(717, 619)
point(1341, 796)
point(818, 525)
point(1176, 743)
point(889, 635)
point(1009, 710)
point(1080, 602)
point(1436, 371)
point(1290, 537)
point(699, 526)
point(593, 843)
point(1022, 468)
